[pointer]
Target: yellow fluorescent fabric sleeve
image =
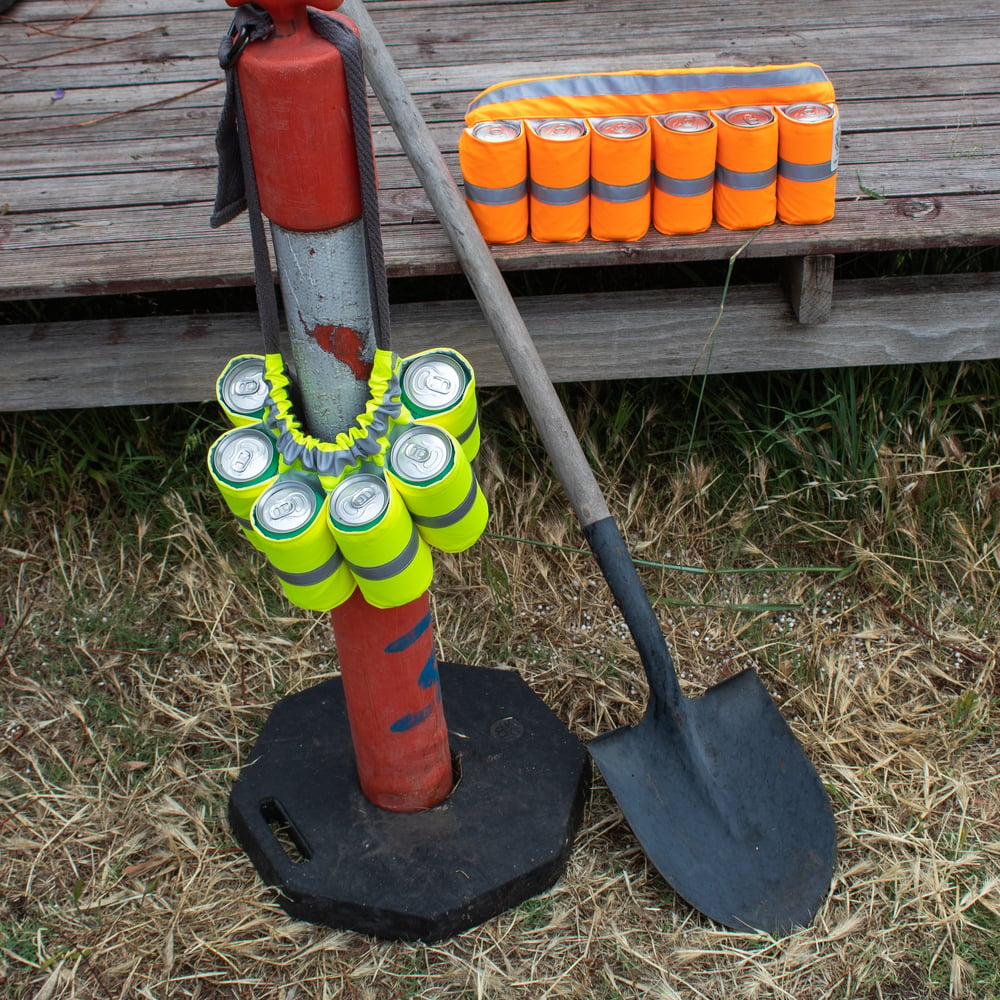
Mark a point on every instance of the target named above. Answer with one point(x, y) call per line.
point(650, 92)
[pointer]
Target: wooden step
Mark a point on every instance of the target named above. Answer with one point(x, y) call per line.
point(627, 335)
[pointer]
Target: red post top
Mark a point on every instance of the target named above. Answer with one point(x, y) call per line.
point(284, 12)
point(298, 116)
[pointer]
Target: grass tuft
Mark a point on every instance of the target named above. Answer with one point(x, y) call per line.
point(837, 531)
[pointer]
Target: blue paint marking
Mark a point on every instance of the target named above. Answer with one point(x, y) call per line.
point(429, 675)
point(405, 723)
point(409, 638)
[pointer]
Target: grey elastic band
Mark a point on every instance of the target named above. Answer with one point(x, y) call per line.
point(394, 566)
point(690, 188)
point(453, 516)
point(312, 576)
point(620, 193)
point(560, 196)
point(746, 180)
point(496, 196)
point(805, 172)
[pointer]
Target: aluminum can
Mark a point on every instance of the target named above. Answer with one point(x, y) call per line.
point(559, 129)
point(498, 131)
point(243, 462)
point(242, 390)
point(439, 387)
point(387, 556)
point(620, 127)
point(751, 116)
point(685, 121)
point(436, 481)
point(293, 533)
point(808, 111)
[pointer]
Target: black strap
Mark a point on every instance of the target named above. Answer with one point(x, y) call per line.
point(237, 189)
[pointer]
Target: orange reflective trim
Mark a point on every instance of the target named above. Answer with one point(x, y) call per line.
point(683, 183)
point(620, 182)
point(496, 185)
point(746, 172)
point(650, 92)
point(559, 188)
point(808, 157)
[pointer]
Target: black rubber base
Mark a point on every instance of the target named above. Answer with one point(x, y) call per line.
point(503, 835)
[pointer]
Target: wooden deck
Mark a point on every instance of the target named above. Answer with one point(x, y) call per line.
point(107, 174)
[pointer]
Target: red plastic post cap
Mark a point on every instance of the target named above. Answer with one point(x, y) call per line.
point(284, 11)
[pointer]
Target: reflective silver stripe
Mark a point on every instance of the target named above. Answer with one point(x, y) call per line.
point(634, 84)
point(805, 172)
point(619, 192)
point(496, 196)
point(453, 516)
point(746, 180)
point(690, 188)
point(560, 196)
point(312, 576)
point(467, 433)
point(394, 566)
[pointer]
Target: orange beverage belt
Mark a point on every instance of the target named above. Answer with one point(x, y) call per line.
point(613, 155)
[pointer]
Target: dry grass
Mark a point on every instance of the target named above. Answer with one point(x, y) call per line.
point(141, 654)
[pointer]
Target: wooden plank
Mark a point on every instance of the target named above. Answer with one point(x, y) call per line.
point(95, 251)
point(580, 337)
point(810, 287)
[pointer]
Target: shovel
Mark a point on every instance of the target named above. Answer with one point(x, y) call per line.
point(717, 790)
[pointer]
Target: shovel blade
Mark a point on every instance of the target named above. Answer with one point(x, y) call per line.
point(726, 805)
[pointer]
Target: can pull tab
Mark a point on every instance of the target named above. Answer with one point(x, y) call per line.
point(287, 13)
point(417, 453)
point(285, 508)
point(247, 387)
point(363, 497)
point(243, 459)
point(429, 381)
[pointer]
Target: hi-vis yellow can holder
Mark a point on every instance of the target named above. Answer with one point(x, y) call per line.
point(387, 556)
point(324, 513)
point(288, 520)
point(648, 94)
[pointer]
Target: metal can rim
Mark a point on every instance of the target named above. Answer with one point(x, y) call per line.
point(790, 110)
point(729, 113)
point(705, 123)
point(357, 480)
point(480, 127)
point(229, 441)
point(261, 515)
point(601, 124)
point(578, 128)
point(419, 364)
point(400, 469)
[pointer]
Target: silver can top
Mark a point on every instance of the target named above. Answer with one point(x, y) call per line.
point(243, 387)
point(620, 127)
point(747, 117)
point(498, 131)
point(359, 500)
point(559, 129)
point(685, 121)
point(421, 453)
point(434, 381)
point(809, 111)
point(243, 454)
point(286, 507)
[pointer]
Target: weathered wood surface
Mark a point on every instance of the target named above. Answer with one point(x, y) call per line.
point(107, 162)
point(107, 173)
point(621, 335)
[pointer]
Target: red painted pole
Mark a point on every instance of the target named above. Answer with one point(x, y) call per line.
point(302, 142)
point(389, 668)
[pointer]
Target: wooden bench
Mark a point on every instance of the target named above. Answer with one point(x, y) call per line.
point(107, 174)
